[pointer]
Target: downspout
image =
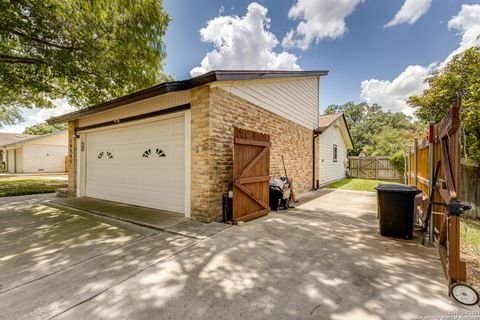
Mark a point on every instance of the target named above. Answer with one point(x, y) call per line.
point(316, 133)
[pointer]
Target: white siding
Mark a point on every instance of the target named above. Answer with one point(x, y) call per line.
point(329, 170)
point(137, 108)
point(19, 160)
point(11, 161)
point(294, 99)
point(58, 139)
point(44, 158)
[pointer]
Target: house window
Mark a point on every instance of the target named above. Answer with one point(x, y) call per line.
point(335, 153)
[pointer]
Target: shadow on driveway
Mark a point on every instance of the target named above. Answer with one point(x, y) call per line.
point(322, 260)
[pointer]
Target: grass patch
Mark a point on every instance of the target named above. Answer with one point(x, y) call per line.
point(18, 187)
point(470, 242)
point(357, 184)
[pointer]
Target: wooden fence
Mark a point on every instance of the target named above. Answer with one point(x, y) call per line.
point(375, 168)
point(436, 157)
point(470, 188)
point(419, 171)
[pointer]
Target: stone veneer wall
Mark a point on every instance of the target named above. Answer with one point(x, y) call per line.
point(201, 174)
point(212, 151)
point(72, 159)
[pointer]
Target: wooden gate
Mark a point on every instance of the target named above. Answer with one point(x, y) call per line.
point(443, 150)
point(251, 174)
point(374, 167)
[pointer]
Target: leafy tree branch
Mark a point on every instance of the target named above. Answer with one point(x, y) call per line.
point(83, 51)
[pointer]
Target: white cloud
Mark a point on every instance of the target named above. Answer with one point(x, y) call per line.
point(34, 116)
point(393, 94)
point(320, 19)
point(243, 43)
point(410, 12)
point(467, 22)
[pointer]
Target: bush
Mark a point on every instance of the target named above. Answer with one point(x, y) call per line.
point(398, 161)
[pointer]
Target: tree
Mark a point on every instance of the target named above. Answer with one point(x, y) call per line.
point(460, 76)
point(45, 128)
point(390, 141)
point(374, 131)
point(84, 51)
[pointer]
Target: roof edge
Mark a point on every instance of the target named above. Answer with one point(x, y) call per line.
point(34, 138)
point(175, 86)
point(320, 131)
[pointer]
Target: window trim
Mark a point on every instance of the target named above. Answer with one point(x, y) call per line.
point(335, 153)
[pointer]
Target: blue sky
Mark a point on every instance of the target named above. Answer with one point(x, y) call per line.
point(367, 50)
point(378, 51)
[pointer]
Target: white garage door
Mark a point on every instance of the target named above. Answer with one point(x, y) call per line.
point(140, 164)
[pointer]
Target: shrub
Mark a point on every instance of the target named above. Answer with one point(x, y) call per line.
point(398, 161)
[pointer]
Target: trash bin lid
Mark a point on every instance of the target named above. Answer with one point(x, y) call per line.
point(397, 188)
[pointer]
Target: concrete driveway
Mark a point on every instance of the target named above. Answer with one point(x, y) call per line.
point(323, 260)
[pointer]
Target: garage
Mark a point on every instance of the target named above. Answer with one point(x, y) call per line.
point(141, 164)
point(171, 146)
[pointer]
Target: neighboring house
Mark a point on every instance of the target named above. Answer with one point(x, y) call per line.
point(335, 140)
point(8, 138)
point(45, 153)
point(171, 146)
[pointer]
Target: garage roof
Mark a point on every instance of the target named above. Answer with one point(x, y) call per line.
point(31, 138)
point(9, 138)
point(174, 86)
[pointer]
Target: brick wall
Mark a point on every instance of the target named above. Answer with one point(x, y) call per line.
point(201, 174)
point(212, 162)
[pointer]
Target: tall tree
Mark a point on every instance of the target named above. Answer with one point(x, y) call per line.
point(460, 76)
point(84, 51)
point(374, 131)
point(45, 128)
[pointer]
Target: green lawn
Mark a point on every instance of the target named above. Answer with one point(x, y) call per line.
point(23, 186)
point(357, 184)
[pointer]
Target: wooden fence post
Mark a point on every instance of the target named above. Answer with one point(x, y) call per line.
point(431, 165)
point(358, 168)
point(415, 164)
point(409, 169)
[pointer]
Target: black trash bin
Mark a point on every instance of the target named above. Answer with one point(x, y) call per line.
point(396, 209)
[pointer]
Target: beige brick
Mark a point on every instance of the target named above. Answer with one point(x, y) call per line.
point(72, 158)
point(220, 112)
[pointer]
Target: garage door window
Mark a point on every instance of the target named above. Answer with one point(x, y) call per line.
point(147, 153)
point(159, 152)
point(107, 155)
